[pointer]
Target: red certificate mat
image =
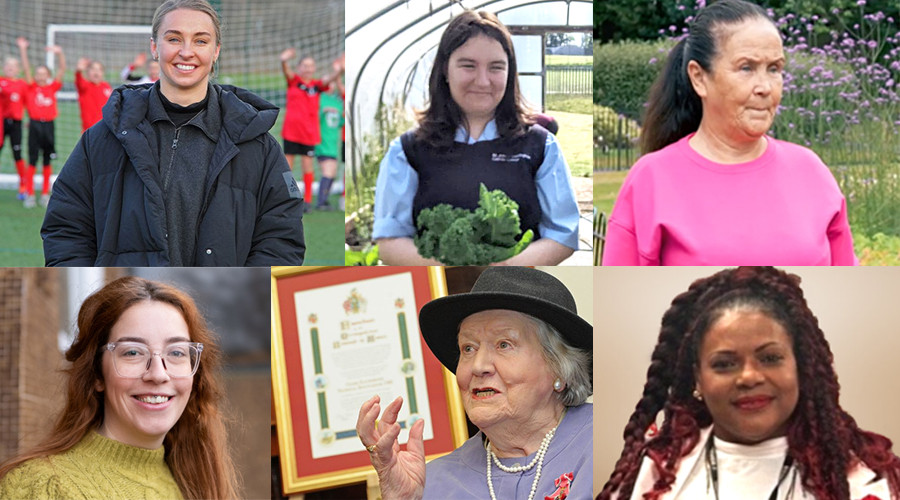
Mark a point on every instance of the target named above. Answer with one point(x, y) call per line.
point(301, 471)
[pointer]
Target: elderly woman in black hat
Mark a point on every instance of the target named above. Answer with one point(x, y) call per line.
point(522, 358)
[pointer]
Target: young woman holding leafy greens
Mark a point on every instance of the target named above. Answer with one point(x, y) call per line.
point(476, 130)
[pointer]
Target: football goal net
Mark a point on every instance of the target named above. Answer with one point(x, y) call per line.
point(114, 32)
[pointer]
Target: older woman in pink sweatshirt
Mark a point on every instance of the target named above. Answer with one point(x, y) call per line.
point(712, 188)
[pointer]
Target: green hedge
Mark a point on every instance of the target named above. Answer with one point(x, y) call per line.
point(623, 74)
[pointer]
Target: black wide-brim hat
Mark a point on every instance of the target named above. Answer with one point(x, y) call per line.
point(521, 289)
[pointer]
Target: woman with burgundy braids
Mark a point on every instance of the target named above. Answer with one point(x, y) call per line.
point(744, 378)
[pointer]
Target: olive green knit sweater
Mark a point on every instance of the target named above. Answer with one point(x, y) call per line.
point(95, 468)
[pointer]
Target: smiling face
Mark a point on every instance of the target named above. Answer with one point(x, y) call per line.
point(141, 411)
point(502, 374)
point(742, 91)
point(187, 48)
point(477, 74)
point(747, 375)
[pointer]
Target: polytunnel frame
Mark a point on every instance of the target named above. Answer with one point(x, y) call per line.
point(515, 30)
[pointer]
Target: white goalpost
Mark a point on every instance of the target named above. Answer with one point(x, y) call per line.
point(56, 32)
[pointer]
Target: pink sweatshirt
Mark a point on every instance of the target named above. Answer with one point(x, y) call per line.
point(678, 208)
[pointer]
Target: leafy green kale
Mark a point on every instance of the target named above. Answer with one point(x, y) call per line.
point(457, 237)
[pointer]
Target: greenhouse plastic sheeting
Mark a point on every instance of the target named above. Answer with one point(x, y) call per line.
point(390, 47)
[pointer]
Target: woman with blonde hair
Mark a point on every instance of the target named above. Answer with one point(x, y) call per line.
point(132, 426)
point(180, 173)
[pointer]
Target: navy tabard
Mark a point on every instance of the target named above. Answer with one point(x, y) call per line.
point(453, 176)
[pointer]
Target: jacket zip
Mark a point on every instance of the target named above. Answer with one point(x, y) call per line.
point(171, 160)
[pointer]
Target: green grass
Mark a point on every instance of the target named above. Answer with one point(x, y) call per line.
point(575, 140)
point(324, 232)
point(558, 60)
point(20, 233)
point(569, 103)
point(22, 247)
point(606, 188)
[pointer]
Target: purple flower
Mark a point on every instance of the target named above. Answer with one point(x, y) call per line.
point(653, 60)
point(860, 2)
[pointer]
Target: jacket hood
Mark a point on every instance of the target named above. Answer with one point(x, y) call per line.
point(245, 115)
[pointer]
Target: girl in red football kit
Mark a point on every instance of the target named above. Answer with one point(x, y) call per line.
point(40, 101)
point(12, 105)
point(301, 118)
point(93, 91)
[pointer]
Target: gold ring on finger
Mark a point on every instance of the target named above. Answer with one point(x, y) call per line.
point(371, 448)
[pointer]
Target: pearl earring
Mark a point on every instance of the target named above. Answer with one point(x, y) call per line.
point(697, 395)
point(558, 385)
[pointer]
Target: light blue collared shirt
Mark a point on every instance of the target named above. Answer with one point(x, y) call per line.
point(397, 183)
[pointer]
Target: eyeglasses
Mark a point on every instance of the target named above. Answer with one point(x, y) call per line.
point(132, 359)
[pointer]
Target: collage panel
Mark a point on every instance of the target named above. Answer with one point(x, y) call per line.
point(153, 133)
point(469, 133)
point(721, 382)
point(378, 370)
point(747, 132)
point(89, 412)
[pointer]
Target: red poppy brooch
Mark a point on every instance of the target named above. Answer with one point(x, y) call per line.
point(563, 483)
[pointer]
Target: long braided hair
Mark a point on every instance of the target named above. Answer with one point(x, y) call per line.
point(823, 440)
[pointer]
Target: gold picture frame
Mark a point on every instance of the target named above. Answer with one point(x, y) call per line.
point(287, 389)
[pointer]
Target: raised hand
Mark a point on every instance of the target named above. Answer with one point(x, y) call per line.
point(82, 64)
point(139, 60)
point(22, 42)
point(401, 473)
point(287, 55)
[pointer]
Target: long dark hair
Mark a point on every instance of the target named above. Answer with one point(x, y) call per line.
point(674, 109)
point(823, 439)
point(439, 121)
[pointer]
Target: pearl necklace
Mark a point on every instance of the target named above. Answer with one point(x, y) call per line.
point(538, 459)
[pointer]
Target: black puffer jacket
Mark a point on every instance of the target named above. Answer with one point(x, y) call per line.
point(108, 208)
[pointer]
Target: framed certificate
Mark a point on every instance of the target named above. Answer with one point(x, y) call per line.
point(339, 336)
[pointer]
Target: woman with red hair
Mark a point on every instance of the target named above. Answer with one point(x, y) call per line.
point(134, 426)
point(745, 380)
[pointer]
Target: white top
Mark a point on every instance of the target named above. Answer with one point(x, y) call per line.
point(746, 472)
